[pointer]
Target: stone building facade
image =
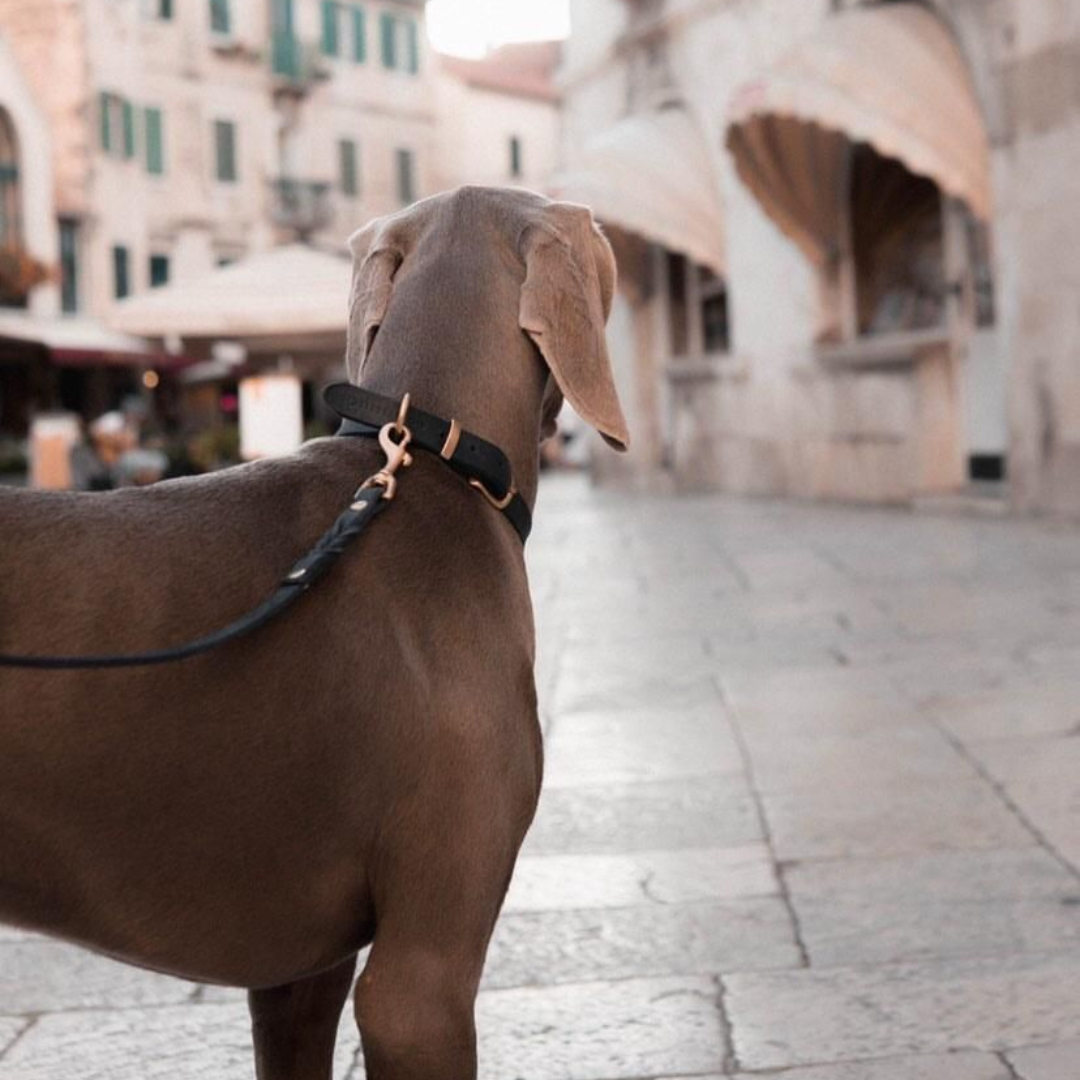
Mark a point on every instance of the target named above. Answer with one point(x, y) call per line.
point(187, 135)
point(880, 310)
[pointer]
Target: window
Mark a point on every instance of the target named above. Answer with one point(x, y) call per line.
point(121, 278)
point(69, 266)
point(155, 148)
point(159, 271)
point(220, 17)
point(697, 309)
point(400, 43)
point(715, 331)
point(406, 178)
point(158, 9)
point(117, 117)
point(225, 151)
point(349, 173)
point(344, 30)
point(515, 156)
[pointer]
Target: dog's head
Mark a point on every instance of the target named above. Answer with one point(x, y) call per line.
point(566, 283)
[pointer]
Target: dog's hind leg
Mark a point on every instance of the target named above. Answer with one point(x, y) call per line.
point(295, 1026)
point(414, 1008)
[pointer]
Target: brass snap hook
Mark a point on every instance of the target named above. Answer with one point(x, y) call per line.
point(395, 449)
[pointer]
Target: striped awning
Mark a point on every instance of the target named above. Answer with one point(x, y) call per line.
point(651, 174)
point(889, 76)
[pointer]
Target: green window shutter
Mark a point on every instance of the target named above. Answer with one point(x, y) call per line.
point(349, 177)
point(225, 151)
point(406, 177)
point(359, 34)
point(330, 27)
point(121, 279)
point(414, 46)
point(104, 105)
point(388, 26)
point(155, 148)
point(220, 17)
point(128, 111)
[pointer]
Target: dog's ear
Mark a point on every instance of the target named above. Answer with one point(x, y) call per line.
point(565, 302)
point(375, 262)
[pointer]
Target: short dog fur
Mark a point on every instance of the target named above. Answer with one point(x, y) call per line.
point(362, 770)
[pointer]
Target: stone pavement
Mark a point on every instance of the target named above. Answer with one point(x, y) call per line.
point(812, 810)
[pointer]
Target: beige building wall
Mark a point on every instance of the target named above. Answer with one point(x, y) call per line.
point(485, 104)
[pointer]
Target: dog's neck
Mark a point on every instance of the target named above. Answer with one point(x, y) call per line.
point(489, 377)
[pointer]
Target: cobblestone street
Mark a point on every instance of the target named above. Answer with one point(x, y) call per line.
point(812, 809)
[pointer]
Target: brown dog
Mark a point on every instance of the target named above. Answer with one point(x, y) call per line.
point(363, 769)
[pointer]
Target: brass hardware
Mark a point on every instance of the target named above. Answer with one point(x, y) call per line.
point(397, 457)
point(499, 504)
point(402, 413)
point(453, 436)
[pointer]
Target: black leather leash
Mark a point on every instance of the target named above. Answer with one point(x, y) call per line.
point(483, 464)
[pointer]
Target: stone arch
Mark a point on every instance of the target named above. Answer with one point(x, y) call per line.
point(27, 137)
point(11, 231)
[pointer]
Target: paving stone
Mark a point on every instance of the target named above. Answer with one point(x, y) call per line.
point(1041, 775)
point(540, 948)
point(618, 748)
point(650, 687)
point(958, 1066)
point(1059, 1062)
point(696, 811)
point(10, 1029)
point(1042, 708)
point(201, 1042)
point(816, 700)
point(570, 882)
point(840, 1014)
point(39, 976)
point(600, 1031)
point(810, 759)
point(860, 819)
point(982, 903)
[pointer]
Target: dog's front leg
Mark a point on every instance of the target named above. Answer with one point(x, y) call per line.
point(295, 1026)
point(415, 1010)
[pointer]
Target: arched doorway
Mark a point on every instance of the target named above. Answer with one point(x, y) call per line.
point(866, 145)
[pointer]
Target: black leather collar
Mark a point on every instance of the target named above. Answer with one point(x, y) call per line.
point(482, 463)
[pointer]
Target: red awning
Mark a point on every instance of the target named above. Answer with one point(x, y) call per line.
point(81, 342)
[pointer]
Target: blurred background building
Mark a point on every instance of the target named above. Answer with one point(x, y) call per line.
point(848, 239)
point(845, 229)
point(208, 160)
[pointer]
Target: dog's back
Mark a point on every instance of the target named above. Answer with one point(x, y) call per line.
point(222, 794)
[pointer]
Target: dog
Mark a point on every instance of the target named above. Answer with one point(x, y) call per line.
point(362, 770)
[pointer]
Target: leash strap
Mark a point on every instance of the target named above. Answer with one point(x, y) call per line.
point(367, 504)
point(482, 463)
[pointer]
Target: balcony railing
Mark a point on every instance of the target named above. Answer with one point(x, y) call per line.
point(301, 205)
point(295, 63)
